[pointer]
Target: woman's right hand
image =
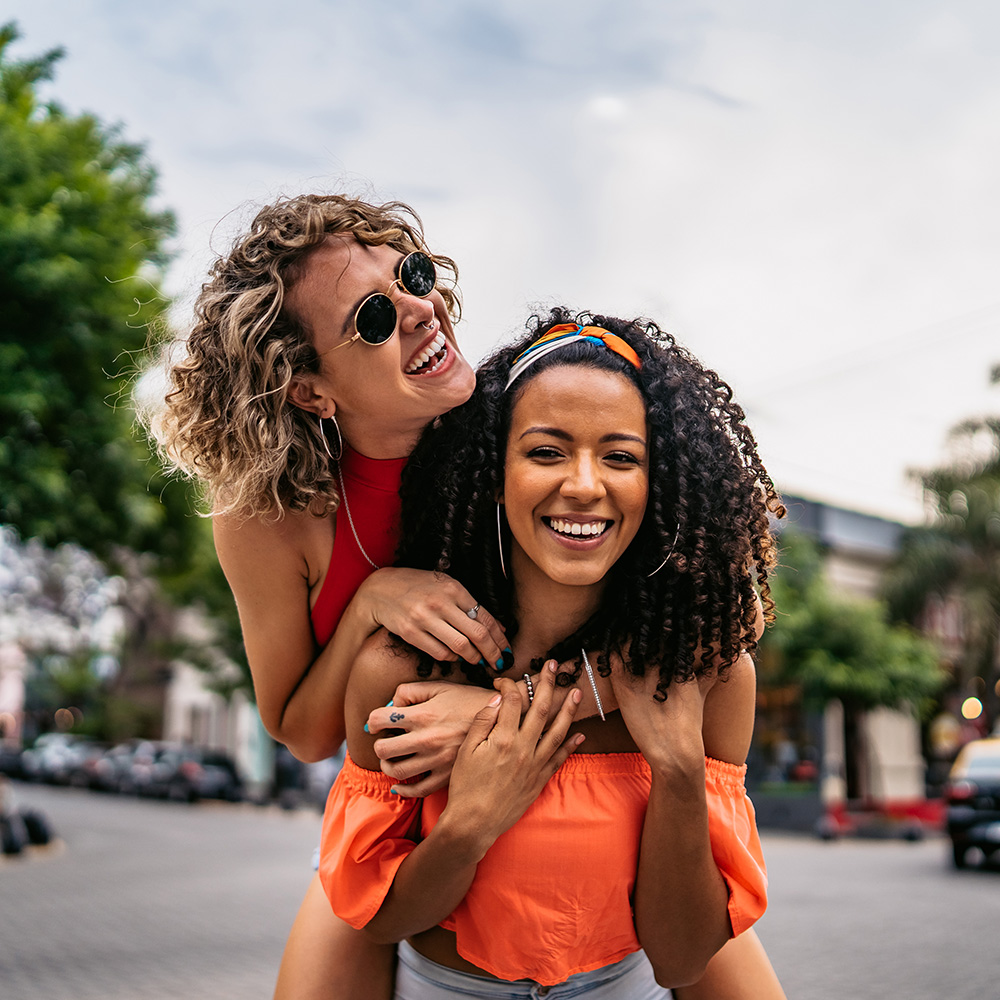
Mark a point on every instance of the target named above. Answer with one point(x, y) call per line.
point(430, 611)
point(504, 763)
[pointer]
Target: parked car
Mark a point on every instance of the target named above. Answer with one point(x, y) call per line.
point(53, 757)
point(83, 763)
point(10, 760)
point(111, 771)
point(973, 797)
point(185, 774)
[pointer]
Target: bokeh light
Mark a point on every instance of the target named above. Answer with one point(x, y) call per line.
point(972, 708)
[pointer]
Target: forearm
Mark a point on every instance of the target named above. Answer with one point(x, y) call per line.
point(429, 884)
point(311, 723)
point(681, 898)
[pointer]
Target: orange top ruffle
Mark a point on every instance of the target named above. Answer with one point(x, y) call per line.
point(553, 895)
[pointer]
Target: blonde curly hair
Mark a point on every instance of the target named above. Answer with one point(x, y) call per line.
point(228, 421)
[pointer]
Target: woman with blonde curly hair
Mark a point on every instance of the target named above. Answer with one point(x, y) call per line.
point(323, 344)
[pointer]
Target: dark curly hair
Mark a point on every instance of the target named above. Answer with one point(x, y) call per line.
point(707, 512)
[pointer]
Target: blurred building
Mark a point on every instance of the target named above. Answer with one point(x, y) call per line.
point(798, 765)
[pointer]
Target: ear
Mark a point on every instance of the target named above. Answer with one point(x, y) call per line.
point(302, 393)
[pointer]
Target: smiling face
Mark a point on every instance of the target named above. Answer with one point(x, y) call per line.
point(382, 395)
point(576, 475)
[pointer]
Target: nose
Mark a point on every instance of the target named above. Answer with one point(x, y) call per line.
point(413, 312)
point(583, 481)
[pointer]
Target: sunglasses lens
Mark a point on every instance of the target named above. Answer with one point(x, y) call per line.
point(417, 274)
point(376, 319)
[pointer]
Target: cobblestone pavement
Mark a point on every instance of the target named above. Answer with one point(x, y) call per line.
point(158, 901)
point(151, 901)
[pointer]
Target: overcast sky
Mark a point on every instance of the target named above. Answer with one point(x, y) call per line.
point(806, 194)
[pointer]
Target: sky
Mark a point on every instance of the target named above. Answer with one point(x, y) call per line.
point(804, 194)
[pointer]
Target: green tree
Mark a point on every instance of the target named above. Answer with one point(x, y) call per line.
point(837, 647)
point(81, 253)
point(957, 556)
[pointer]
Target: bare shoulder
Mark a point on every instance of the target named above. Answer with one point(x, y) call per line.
point(729, 712)
point(380, 667)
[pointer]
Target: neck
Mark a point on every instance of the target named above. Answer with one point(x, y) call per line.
point(547, 612)
point(377, 441)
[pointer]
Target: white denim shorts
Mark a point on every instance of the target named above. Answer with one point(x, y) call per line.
point(418, 978)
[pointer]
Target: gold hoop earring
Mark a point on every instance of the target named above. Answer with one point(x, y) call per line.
point(677, 534)
point(503, 568)
point(326, 443)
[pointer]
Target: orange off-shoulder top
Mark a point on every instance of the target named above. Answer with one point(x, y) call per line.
point(552, 897)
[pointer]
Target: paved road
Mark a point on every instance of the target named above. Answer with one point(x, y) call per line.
point(151, 901)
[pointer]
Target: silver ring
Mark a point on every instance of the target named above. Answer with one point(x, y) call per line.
point(473, 613)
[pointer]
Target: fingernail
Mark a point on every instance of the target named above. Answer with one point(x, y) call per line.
point(576, 696)
point(552, 665)
point(392, 791)
point(495, 702)
point(501, 666)
point(389, 704)
point(367, 730)
point(482, 662)
point(508, 658)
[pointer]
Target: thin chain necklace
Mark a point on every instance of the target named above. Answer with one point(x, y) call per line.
point(593, 684)
point(350, 520)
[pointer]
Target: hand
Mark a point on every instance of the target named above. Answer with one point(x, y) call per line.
point(504, 763)
point(667, 733)
point(435, 717)
point(430, 611)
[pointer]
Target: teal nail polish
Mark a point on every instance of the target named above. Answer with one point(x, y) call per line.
point(500, 663)
point(389, 705)
point(392, 791)
point(482, 662)
point(367, 730)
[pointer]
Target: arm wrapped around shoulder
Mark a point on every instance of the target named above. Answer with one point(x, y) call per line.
point(732, 827)
point(367, 834)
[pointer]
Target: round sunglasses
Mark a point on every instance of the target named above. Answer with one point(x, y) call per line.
point(375, 320)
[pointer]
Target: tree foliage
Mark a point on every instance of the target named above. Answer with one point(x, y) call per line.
point(81, 252)
point(844, 647)
point(957, 556)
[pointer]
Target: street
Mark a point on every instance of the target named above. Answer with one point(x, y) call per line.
point(158, 901)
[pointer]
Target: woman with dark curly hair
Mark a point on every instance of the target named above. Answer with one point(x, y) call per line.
point(602, 491)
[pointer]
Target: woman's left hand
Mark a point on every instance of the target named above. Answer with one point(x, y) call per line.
point(435, 717)
point(666, 732)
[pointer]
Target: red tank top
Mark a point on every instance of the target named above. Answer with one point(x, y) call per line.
point(372, 487)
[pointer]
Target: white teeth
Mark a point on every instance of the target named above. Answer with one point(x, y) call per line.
point(576, 528)
point(427, 353)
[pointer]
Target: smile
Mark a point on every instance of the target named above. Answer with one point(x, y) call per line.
point(577, 529)
point(427, 361)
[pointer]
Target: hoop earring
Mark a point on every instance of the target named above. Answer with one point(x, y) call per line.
point(669, 554)
point(503, 568)
point(326, 444)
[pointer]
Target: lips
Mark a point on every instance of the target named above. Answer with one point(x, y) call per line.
point(430, 357)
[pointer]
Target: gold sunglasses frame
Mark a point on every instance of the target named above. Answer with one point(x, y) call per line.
point(368, 298)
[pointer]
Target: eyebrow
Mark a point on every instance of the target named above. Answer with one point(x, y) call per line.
point(566, 436)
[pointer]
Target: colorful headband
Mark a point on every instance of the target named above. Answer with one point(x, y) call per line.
point(569, 333)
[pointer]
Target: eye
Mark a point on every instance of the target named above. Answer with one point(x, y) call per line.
point(623, 458)
point(544, 452)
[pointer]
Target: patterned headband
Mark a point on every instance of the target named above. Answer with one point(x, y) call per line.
point(569, 333)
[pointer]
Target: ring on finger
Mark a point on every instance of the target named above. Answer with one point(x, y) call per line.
point(473, 613)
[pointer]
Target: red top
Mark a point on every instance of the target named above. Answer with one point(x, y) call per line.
point(372, 488)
